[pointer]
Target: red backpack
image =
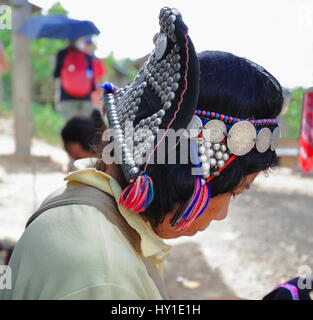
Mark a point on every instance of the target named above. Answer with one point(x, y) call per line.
point(76, 75)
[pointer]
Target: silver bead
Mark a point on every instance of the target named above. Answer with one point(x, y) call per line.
point(177, 76)
point(154, 130)
point(206, 175)
point(203, 158)
point(161, 113)
point(213, 162)
point(223, 148)
point(167, 105)
point(134, 170)
point(147, 120)
point(209, 153)
point(164, 98)
point(220, 163)
point(175, 86)
point(225, 156)
point(163, 85)
point(201, 150)
point(177, 66)
point(170, 81)
point(171, 96)
point(219, 155)
point(205, 166)
point(176, 57)
point(171, 19)
point(207, 144)
point(216, 146)
point(157, 122)
point(130, 162)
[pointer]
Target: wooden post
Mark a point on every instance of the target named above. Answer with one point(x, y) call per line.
point(21, 80)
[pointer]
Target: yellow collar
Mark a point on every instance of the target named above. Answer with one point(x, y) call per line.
point(151, 244)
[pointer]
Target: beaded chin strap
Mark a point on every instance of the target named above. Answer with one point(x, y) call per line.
point(220, 139)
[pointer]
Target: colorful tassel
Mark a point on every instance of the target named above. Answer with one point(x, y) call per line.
point(193, 208)
point(138, 195)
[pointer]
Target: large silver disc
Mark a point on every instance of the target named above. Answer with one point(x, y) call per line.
point(263, 140)
point(194, 127)
point(241, 138)
point(160, 46)
point(214, 131)
point(275, 138)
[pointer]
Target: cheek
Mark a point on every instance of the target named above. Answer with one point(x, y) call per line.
point(221, 215)
point(221, 207)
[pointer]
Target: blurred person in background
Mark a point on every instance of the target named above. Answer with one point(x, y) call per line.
point(75, 80)
point(80, 135)
point(4, 66)
point(99, 72)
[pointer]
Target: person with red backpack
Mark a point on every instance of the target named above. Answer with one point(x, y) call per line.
point(76, 81)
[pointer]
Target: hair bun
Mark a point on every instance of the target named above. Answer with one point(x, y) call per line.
point(97, 118)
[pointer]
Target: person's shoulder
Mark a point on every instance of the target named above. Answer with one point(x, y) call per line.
point(75, 232)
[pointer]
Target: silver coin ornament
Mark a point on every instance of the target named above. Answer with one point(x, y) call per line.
point(214, 131)
point(275, 138)
point(160, 46)
point(241, 138)
point(194, 127)
point(263, 140)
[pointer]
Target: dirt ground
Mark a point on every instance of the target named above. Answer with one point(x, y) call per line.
point(266, 237)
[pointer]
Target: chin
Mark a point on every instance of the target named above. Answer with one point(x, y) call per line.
point(190, 233)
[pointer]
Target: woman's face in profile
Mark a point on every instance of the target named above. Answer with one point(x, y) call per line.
point(216, 210)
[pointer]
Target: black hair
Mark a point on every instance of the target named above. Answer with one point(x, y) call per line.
point(83, 130)
point(233, 86)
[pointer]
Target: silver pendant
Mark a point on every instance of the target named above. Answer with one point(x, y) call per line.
point(241, 138)
point(194, 127)
point(263, 140)
point(275, 138)
point(214, 131)
point(160, 46)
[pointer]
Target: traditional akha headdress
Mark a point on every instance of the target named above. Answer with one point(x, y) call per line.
point(164, 95)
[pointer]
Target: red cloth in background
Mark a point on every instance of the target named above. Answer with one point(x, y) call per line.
point(98, 69)
point(306, 133)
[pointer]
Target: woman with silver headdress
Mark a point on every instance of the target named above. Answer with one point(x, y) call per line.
point(102, 237)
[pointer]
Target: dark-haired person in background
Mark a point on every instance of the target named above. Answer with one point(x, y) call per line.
point(120, 255)
point(80, 135)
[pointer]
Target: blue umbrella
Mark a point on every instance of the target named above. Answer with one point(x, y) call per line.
point(57, 27)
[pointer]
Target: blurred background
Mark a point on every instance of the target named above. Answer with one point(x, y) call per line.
point(268, 234)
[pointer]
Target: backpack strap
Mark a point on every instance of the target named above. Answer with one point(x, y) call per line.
point(103, 202)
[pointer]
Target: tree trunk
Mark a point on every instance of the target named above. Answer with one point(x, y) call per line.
point(21, 80)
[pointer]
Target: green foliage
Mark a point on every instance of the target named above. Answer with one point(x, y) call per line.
point(293, 115)
point(57, 9)
point(47, 122)
point(5, 108)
